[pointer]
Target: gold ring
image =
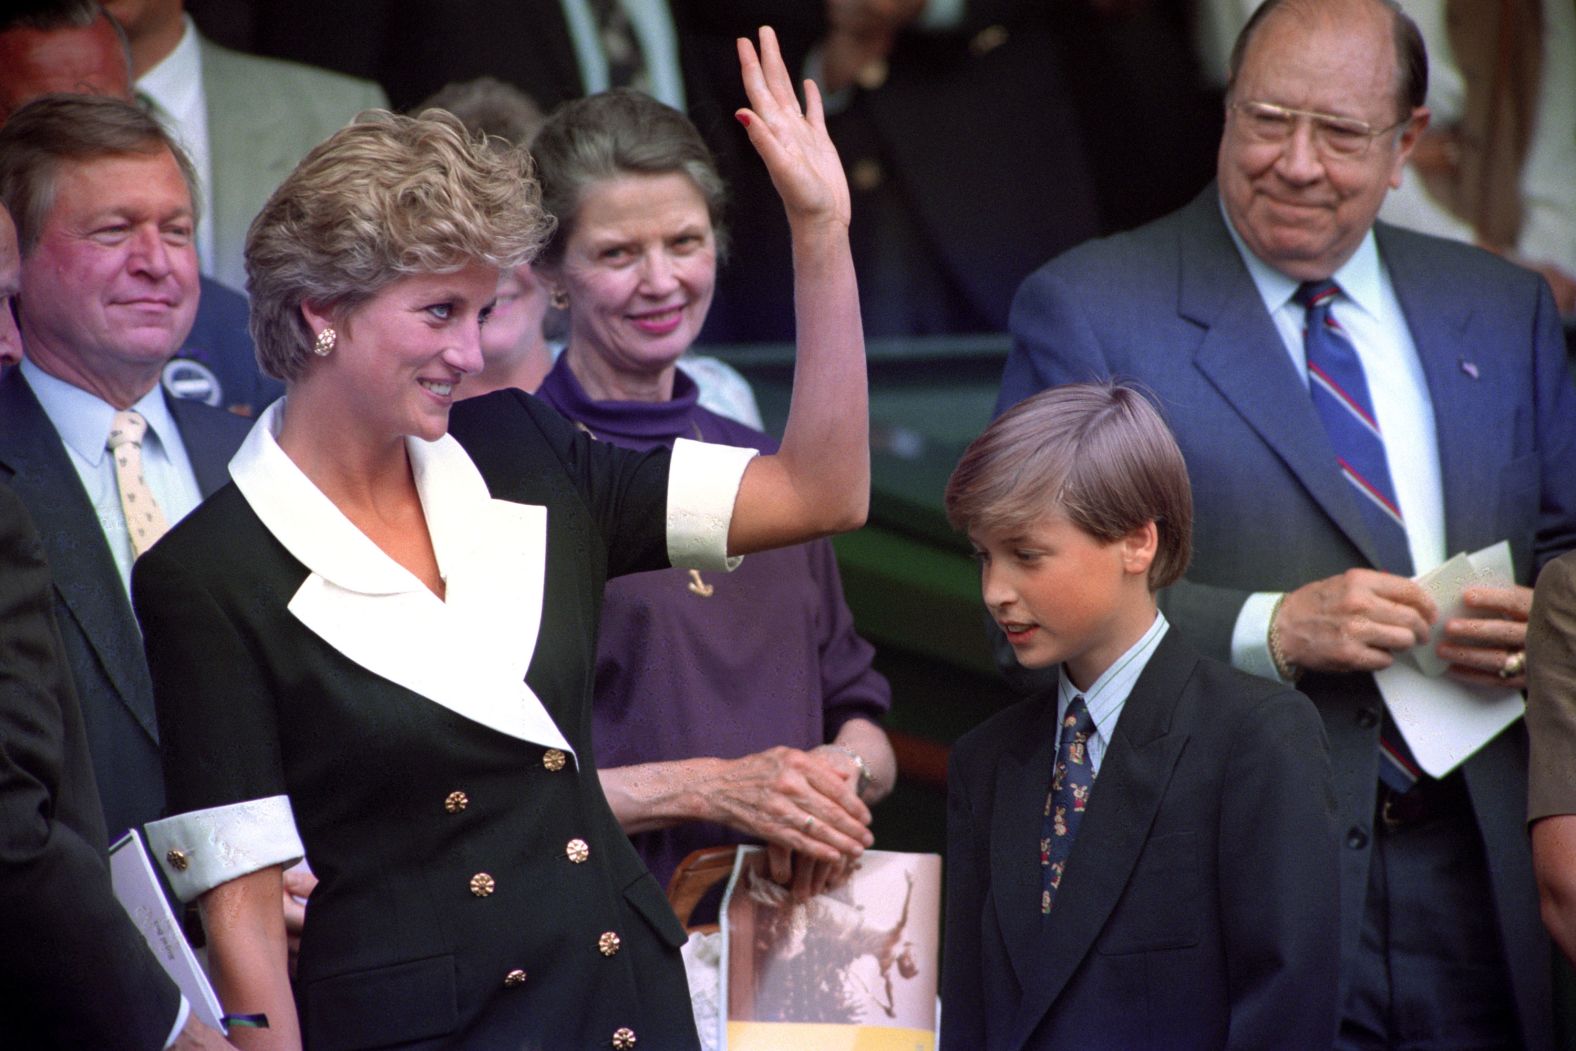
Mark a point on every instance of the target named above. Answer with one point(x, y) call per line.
point(1515, 664)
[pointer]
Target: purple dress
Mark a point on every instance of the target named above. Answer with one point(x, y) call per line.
point(715, 664)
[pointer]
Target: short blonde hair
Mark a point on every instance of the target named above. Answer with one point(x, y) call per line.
point(1097, 452)
point(383, 198)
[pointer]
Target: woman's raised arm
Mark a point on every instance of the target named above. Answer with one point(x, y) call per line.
point(819, 481)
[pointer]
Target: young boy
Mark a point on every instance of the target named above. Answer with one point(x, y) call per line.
point(1145, 856)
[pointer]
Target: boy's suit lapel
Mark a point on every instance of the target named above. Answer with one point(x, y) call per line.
point(1132, 781)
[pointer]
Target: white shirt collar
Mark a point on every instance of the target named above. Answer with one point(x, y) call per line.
point(1360, 277)
point(469, 651)
point(1108, 694)
point(83, 419)
point(175, 82)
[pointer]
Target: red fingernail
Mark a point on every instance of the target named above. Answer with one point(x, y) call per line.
point(744, 118)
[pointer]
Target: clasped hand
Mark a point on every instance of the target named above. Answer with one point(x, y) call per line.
point(1359, 620)
point(805, 805)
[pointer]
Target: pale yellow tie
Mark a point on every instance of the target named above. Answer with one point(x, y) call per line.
point(144, 521)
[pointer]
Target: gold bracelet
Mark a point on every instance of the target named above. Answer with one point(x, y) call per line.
point(1288, 671)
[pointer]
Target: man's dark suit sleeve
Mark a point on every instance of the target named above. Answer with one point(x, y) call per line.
point(75, 970)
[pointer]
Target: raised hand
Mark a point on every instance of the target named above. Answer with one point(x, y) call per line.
point(799, 154)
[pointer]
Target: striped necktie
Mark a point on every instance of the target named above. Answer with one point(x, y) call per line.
point(1340, 395)
point(1339, 389)
point(1071, 782)
point(626, 62)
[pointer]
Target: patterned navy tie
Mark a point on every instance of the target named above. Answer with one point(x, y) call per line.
point(1071, 781)
point(1339, 390)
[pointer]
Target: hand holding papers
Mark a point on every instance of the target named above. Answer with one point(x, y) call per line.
point(1443, 719)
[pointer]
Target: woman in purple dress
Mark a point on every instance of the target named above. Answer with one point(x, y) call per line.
point(729, 707)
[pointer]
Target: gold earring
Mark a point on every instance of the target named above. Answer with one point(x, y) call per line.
point(324, 345)
point(558, 299)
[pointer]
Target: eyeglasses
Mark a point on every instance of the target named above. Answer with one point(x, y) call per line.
point(1333, 136)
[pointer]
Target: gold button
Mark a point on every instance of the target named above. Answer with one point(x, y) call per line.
point(608, 944)
point(514, 978)
point(456, 802)
point(177, 860)
point(553, 759)
point(624, 1038)
point(482, 884)
point(873, 74)
point(577, 850)
point(866, 174)
point(987, 40)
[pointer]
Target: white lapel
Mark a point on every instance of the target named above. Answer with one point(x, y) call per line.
point(469, 653)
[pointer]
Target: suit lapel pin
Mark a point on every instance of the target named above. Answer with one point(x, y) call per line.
point(1469, 367)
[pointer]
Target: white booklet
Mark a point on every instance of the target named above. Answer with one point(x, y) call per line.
point(1443, 720)
point(140, 894)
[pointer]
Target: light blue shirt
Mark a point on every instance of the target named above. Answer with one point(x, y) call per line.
point(652, 24)
point(1368, 310)
point(1108, 694)
point(83, 422)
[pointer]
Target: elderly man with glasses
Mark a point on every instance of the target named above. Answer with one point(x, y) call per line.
point(1356, 403)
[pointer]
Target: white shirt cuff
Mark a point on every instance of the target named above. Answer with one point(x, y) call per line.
point(1250, 639)
point(703, 482)
point(201, 849)
point(180, 1021)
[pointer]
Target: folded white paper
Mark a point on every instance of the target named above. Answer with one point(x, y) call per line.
point(1443, 720)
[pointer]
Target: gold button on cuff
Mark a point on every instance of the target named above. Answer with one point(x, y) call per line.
point(608, 943)
point(177, 860)
point(455, 802)
point(577, 850)
point(514, 979)
point(482, 884)
point(623, 1039)
point(553, 759)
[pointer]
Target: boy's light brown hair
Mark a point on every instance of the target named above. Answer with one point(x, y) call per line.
point(1098, 453)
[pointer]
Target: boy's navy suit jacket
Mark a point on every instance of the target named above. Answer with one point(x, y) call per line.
point(1200, 906)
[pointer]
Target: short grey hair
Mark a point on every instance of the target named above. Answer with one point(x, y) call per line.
point(615, 133)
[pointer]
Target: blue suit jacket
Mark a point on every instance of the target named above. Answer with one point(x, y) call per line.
point(102, 642)
point(1172, 306)
point(1195, 910)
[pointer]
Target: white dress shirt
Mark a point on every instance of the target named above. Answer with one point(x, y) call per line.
point(1108, 694)
point(174, 87)
point(83, 422)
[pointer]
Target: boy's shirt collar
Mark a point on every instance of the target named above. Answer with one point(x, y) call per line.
point(1107, 694)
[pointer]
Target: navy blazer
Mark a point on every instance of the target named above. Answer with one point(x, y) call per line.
point(1196, 908)
point(103, 644)
point(1172, 306)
